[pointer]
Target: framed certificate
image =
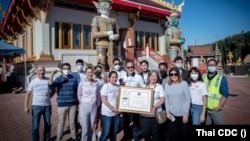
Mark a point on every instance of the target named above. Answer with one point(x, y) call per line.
point(135, 100)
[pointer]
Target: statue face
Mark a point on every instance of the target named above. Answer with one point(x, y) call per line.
point(174, 21)
point(105, 8)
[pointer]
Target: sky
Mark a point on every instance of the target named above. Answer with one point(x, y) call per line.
point(206, 21)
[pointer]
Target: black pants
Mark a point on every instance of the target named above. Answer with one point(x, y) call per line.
point(150, 128)
point(178, 130)
point(133, 130)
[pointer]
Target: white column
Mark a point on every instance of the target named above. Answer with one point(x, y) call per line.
point(147, 51)
point(41, 38)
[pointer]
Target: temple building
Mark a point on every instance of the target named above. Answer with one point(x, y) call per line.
point(56, 31)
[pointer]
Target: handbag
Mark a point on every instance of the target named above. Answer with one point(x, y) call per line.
point(161, 116)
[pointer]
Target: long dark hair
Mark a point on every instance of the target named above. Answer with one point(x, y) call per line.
point(195, 69)
point(170, 82)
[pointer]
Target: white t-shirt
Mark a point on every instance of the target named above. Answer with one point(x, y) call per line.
point(120, 74)
point(111, 92)
point(41, 91)
point(198, 90)
point(135, 80)
point(82, 77)
point(158, 93)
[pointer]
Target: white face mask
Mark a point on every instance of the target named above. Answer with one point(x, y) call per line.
point(66, 72)
point(194, 76)
point(117, 67)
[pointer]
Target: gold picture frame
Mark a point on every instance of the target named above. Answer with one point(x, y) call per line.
point(135, 100)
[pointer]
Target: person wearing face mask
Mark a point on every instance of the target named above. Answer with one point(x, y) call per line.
point(80, 71)
point(118, 70)
point(163, 70)
point(97, 125)
point(163, 73)
point(145, 71)
point(179, 64)
point(198, 90)
point(66, 86)
point(217, 86)
point(80, 76)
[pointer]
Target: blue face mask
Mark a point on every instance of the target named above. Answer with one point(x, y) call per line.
point(211, 68)
point(178, 65)
point(79, 68)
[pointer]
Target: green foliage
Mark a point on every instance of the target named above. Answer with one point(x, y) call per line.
point(248, 73)
point(239, 44)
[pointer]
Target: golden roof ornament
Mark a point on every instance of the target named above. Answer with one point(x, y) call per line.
point(171, 6)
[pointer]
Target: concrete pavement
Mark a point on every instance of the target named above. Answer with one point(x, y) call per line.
point(16, 125)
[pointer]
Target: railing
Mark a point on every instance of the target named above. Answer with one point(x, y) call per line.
point(159, 58)
point(153, 55)
point(132, 57)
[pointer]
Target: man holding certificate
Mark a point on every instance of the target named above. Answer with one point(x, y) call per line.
point(131, 122)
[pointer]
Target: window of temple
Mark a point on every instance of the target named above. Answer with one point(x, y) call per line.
point(86, 37)
point(76, 36)
point(144, 38)
point(72, 36)
point(57, 35)
point(65, 35)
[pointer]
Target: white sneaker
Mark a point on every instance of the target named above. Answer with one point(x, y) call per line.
point(99, 133)
point(94, 137)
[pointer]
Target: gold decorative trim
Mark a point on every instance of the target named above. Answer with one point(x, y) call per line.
point(28, 19)
point(44, 56)
point(23, 25)
point(171, 6)
point(16, 34)
point(35, 10)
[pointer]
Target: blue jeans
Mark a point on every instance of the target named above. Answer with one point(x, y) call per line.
point(37, 112)
point(196, 111)
point(110, 127)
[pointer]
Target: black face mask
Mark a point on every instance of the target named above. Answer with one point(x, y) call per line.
point(98, 74)
point(164, 74)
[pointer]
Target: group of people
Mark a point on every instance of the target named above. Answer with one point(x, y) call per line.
point(187, 97)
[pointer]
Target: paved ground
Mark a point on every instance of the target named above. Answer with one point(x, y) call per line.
point(16, 125)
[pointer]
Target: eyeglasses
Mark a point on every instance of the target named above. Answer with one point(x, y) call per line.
point(116, 64)
point(173, 74)
point(131, 67)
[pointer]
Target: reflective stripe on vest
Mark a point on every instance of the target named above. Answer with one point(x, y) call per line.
point(214, 95)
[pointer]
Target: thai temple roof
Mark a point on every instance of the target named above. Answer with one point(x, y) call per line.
point(198, 50)
point(21, 12)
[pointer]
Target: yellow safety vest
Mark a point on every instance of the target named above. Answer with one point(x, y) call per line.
point(213, 87)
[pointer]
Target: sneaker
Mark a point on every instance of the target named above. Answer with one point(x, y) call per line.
point(94, 137)
point(99, 133)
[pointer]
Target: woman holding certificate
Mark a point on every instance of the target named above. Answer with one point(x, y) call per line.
point(177, 102)
point(149, 123)
point(110, 117)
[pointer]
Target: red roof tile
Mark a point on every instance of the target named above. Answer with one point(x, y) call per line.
point(198, 50)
